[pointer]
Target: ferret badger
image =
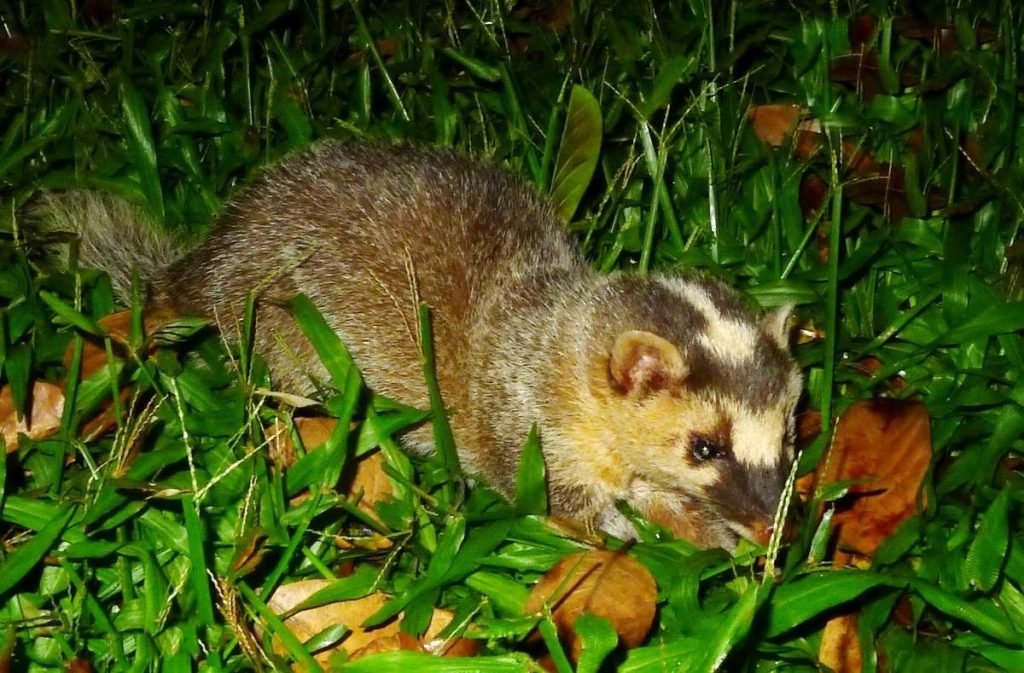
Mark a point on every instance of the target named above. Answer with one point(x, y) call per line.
point(662, 391)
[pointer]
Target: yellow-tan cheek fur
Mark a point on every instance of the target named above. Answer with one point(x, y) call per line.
point(645, 440)
point(658, 434)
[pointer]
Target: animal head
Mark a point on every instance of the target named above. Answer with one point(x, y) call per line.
point(701, 410)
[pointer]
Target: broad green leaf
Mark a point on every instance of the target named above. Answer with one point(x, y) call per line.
point(578, 152)
point(329, 348)
point(531, 479)
point(26, 556)
point(328, 637)
point(18, 370)
point(444, 440)
point(474, 66)
point(198, 576)
point(178, 331)
point(416, 661)
point(478, 543)
point(783, 293)
point(822, 537)
point(50, 132)
point(452, 536)
point(275, 625)
point(1005, 318)
point(71, 316)
point(672, 71)
point(991, 540)
point(508, 595)
point(140, 142)
point(293, 119)
point(674, 655)
point(733, 628)
point(1007, 658)
point(378, 427)
point(805, 598)
point(981, 614)
point(358, 584)
point(597, 640)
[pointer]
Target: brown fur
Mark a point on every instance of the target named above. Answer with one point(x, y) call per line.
point(525, 331)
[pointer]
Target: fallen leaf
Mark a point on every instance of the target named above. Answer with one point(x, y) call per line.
point(359, 642)
point(41, 419)
point(399, 641)
point(118, 326)
point(862, 29)
point(313, 432)
point(813, 192)
point(551, 15)
point(809, 141)
point(885, 448)
point(612, 585)
point(364, 477)
point(942, 37)
point(79, 666)
point(99, 12)
point(774, 124)
point(94, 359)
point(858, 160)
point(15, 45)
point(858, 70)
point(840, 646)
point(869, 183)
point(369, 482)
point(884, 192)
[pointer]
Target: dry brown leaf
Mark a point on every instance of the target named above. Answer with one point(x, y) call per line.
point(94, 358)
point(369, 482)
point(773, 124)
point(364, 477)
point(840, 647)
point(859, 70)
point(943, 37)
point(41, 419)
point(886, 446)
point(813, 191)
point(79, 666)
point(879, 185)
point(315, 431)
point(312, 431)
point(399, 641)
point(612, 585)
point(862, 30)
point(360, 642)
point(94, 354)
point(118, 326)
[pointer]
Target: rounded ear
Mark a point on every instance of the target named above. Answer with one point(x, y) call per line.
point(643, 362)
point(776, 325)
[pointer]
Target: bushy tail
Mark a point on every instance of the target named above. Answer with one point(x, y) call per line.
point(115, 234)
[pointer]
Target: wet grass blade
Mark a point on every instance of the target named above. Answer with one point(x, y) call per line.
point(26, 557)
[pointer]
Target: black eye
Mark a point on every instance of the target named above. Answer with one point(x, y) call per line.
point(704, 449)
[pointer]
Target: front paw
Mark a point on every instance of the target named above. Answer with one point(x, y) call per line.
point(614, 522)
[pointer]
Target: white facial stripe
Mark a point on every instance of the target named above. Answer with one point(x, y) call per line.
point(730, 340)
point(757, 438)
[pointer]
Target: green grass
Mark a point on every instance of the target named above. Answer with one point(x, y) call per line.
point(111, 542)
